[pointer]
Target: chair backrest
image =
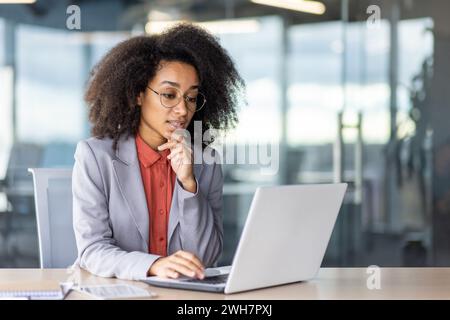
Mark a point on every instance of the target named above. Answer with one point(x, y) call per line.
point(53, 200)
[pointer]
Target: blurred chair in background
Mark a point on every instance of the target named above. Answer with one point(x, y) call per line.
point(18, 231)
point(17, 183)
point(17, 222)
point(53, 198)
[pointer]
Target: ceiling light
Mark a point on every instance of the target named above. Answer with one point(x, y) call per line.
point(314, 7)
point(17, 1)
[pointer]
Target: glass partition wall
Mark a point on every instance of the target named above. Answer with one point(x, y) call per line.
point(327, 101)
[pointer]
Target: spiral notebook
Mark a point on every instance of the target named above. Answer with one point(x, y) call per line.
point(57, 294)
point(32, 295)
point(106, 291)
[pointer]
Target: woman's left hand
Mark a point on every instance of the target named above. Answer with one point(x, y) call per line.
point(181, 160)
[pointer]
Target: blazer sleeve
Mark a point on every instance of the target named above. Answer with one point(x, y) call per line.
point(97, 249)
point(200, 222)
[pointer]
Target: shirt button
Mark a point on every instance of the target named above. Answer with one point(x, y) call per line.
point(161, 211)
point(161, 239)
point(161, 184)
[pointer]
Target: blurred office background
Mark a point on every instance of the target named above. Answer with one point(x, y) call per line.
point(349, 97)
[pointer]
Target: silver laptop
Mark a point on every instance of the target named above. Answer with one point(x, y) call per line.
point(283, 241)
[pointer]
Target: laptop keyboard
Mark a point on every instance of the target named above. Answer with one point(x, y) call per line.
point(221, 279)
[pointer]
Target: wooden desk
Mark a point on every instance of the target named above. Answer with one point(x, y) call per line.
point(331, 283)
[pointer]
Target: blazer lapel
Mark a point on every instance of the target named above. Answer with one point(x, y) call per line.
point(130, 181)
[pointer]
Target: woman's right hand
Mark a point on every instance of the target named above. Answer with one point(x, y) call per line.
point(181, 262)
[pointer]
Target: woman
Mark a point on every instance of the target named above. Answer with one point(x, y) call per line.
point(141, 207)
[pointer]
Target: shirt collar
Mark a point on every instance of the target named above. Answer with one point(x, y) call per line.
point(147, 156)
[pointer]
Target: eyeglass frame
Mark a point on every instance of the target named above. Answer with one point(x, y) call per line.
point(184, 97)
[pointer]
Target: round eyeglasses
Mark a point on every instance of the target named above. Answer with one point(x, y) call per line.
point(171, 97)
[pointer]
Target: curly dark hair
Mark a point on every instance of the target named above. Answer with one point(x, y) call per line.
point(124, 72)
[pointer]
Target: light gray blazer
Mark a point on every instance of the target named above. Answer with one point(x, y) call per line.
point(111, 218)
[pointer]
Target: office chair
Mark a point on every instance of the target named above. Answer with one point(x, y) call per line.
point(18, 246)
point(53, 201)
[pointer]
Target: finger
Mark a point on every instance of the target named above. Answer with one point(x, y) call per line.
point(191, 257)
point(184, 159)
point(174, 152)
point(184, 153)
point(181, 140)
point(177, 146)
point(180, 159)
point(176, 162)
point(170, 273)
point(178, 138)
point(167, 145)
point(189, 264)
point(182, 269)
point(173, 145)
point(178, 135)
point(187, 148)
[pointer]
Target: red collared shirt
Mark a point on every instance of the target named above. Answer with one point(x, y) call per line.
point(159, 180)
